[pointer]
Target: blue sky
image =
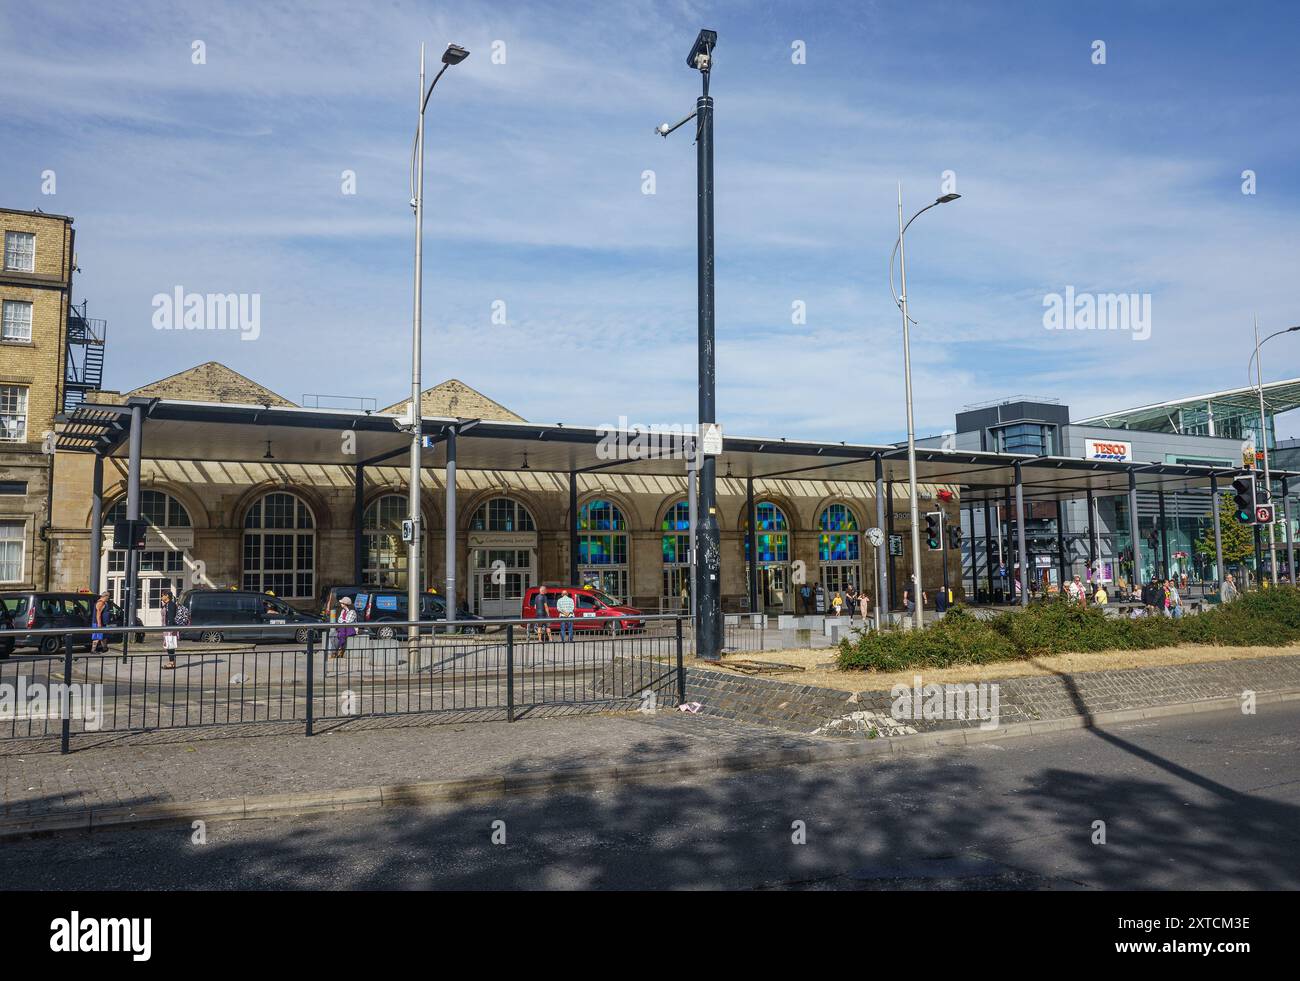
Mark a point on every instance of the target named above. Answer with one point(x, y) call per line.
point(1118, 177)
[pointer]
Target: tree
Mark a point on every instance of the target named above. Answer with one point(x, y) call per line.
point(1238, 539)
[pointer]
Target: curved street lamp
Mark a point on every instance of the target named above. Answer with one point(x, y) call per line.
point(1263, 435)
point(454, 55)
point(900, 299)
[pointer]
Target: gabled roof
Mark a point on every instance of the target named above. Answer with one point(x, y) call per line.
point(453, 399)
point(210, 382)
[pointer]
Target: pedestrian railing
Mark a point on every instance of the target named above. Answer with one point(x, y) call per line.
point(507, 669)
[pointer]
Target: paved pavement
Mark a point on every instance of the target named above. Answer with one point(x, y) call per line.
point(239, 761)
point(1198, 802)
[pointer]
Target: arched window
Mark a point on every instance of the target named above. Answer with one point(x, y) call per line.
point(280, 546)
point(602, 548)
point(839, 548)
point(503, 557)
point(502, 514)
point(772, 551)
point(677, 553)
point(156, 507)
point(385, 551)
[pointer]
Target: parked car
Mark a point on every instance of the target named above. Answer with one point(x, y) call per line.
point(330, 596)
point(32, 610)
point(264, 617)
point(592, 609)
point(383, 605)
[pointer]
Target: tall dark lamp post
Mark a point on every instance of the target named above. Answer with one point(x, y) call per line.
point(708, 582)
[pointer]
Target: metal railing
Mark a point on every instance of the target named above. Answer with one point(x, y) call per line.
point(505, 673)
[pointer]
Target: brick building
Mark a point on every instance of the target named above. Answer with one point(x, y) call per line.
point(50, 355)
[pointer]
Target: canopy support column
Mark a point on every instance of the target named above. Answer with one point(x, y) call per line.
point(1164, 537)
point(96, 524)
point(450, 524)
point(1290, 547)
point(1137, 526)
point(751, 545)
point(1061, 558)
point(358, 522)
point(1020, 538)
point(573, 527)
point(882, 574)
point(135, 449)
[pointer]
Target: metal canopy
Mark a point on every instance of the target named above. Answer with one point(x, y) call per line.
point(176, 430)
point(1280, 396)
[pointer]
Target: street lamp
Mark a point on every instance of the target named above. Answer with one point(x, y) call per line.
point(1263, 430)
point(708, 585)
point(454, 55)
point(900, 250)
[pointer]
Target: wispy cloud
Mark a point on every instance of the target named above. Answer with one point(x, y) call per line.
point(228, 176)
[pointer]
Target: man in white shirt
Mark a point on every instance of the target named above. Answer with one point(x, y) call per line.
point(564, 607)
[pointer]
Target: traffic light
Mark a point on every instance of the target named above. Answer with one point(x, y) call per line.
point(954, 538)
point(1243, 489)
point(933, 522)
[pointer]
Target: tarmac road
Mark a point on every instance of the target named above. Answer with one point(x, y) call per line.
point(1204, 801)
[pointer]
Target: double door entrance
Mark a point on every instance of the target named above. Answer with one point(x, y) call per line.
point(501, 578)
point(161, 570)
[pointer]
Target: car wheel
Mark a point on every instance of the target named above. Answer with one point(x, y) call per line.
point(387, 633)
point(50, 645)
point(300, 636)
point(210, 637)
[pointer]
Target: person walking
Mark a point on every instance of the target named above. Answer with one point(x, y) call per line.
point(170, 637)
point(1228, 591)
point(99, 618)
point(837, 604)
point(864, 604)
point(564, 607)
point(347, 616)
point(805, 594)
point(541, 612)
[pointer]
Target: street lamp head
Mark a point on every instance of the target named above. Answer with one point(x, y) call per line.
point(701, 56)
point(454, 55)
point(946, 198)
point(663, 129)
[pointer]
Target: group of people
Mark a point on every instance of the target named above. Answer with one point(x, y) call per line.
point(1082, 595)
point(851, 602)
point(545, 611)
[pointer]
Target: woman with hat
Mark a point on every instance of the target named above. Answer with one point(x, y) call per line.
point(347, 615)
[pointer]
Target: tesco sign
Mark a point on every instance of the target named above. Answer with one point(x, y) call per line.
point(1107, 449)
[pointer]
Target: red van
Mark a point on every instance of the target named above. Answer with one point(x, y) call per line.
point(592, 609)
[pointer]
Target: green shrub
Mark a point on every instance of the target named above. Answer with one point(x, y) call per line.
point(1266, 618)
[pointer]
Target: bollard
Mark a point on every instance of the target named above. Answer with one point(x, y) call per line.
point(311, 673)
point(66, 711)
point(510, 672)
